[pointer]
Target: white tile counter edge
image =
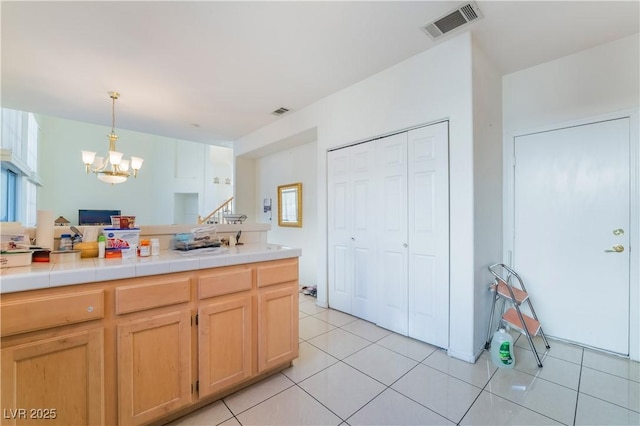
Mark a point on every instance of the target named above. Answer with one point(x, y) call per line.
point(45, 275)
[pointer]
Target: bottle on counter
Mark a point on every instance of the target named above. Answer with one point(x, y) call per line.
point(102, 245)
point(155, 247)
point(145, 248)
point(65, 242)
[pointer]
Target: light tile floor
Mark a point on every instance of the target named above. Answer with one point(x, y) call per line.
point(351, 372)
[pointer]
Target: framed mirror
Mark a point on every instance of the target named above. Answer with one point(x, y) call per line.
point(290, 205)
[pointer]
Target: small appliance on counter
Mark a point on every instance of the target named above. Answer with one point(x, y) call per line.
point(198, 238)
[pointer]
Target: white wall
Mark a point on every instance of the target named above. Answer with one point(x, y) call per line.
point(171, 166)
point(487, 178)
point(588, 83)
point(283, 167)
point(431, 86)
point(596, 82)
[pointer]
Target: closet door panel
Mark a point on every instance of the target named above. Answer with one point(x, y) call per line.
point(429, 234)
point(363, 241)
point(339, 238)
point(392, 251)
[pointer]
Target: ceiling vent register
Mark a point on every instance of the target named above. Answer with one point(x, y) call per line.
point(460, 17)
point(280, 111)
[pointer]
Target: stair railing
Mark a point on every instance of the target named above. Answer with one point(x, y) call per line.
point(217, 215)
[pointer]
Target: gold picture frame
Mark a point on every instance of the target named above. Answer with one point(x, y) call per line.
point(290, 205)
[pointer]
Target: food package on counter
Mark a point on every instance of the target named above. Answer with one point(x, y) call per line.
point(121, 238)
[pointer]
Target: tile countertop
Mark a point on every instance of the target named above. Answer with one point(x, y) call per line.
point(44, 275)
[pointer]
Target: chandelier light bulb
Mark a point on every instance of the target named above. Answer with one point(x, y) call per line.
point(115, 157)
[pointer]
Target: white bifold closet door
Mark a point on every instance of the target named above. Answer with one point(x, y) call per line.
point(428, 230)
point(388, 216)
point(351, 222)
point(391, 156)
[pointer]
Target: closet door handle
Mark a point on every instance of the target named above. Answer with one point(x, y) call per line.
point(353, 238)
point(405, 245)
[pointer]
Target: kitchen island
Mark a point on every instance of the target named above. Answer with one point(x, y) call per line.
point(144, 340)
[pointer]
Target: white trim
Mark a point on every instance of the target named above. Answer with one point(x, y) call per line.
point(634, 203)
point(465, 356)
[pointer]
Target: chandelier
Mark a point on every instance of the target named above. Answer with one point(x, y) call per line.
point(112, 168)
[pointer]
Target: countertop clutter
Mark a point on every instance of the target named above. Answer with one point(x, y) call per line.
point(87, 270)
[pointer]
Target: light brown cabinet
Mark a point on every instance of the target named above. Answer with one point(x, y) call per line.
point(154, 366)
point(56, 376)
point(224, 343)
point(277, 313)
point(277, 326)
point(225, 328)
point(153, 347)
point(143, 350)
point(55, 381)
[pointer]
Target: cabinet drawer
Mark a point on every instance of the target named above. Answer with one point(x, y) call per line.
point(228, 280)
point(51, 311)
point(280, 271)
point(149, 295)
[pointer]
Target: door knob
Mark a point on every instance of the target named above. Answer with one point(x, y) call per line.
point(618, 231)
point(615, 249)
point(405, 245)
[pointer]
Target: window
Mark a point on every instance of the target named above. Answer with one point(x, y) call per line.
point(9, 195)
point(20, 133)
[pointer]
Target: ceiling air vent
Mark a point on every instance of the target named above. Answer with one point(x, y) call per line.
point(460, 17)
point(280, 111)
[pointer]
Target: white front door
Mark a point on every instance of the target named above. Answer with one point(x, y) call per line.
point(571, 230)
point(391, 155)
point(428, 183)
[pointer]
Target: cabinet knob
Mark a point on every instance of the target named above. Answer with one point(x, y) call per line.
point(90, 309)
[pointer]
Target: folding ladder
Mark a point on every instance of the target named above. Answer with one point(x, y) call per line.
point(503, 289)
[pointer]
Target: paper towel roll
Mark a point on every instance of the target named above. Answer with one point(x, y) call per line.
point(44, 229)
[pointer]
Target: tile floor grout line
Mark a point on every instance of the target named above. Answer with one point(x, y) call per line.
point(609, 402)
point(417, 402)
point(609, 374)
point(514, 402)
point(575, 408)
point(233, 416)
point(330, 354)
point(264, 400)
point(478, 396)
point(320, 402)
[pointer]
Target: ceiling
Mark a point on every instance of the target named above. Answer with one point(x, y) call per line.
point(213, 71)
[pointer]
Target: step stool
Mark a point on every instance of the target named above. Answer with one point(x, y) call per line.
point(504, 290)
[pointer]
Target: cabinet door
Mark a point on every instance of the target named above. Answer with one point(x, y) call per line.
point(277, 325)
point(154, 366)
point(56, 381)
point(224, 342)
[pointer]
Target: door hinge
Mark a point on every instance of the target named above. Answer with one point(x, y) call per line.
point(198, 386)
point(196, 319)
point(191, 387)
